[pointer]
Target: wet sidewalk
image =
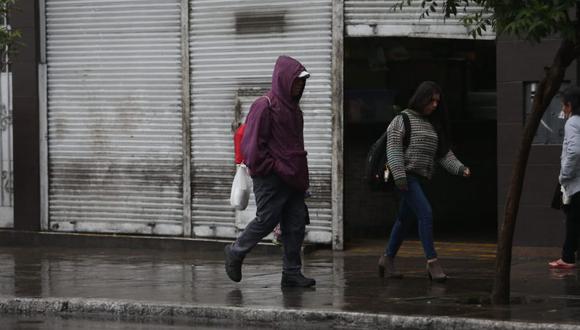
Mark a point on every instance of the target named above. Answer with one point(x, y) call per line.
point(192, 284)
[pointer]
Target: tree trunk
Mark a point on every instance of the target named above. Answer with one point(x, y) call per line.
point(547, 88)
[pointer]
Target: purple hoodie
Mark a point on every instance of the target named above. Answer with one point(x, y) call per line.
point(273, 138)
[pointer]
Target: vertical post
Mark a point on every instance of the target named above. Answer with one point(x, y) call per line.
point(43, 118)
point(6, 81)
point(337, 123)
point(185, 118)
point(577, 62)
point(25, 119)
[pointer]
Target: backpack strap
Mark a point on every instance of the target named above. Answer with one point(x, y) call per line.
point(407, 137)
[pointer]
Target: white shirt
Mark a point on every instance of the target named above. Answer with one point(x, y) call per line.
point(570, 158)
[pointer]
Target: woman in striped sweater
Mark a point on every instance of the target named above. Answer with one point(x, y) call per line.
point(411, 167)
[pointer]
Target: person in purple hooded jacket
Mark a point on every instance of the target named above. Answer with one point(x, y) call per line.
point(273, 147)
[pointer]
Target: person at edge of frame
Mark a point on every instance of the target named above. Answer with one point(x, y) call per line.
point(569, 179)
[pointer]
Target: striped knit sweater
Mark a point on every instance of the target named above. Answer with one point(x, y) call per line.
point(419, 156)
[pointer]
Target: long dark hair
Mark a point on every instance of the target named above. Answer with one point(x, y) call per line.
point(439, 119)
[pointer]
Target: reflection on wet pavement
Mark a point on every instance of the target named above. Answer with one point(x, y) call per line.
point(346, 281)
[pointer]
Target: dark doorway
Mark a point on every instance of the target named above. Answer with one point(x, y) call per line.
point(380, 76)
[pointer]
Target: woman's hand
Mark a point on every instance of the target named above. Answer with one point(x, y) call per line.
point(402, 184)
point(466, 172)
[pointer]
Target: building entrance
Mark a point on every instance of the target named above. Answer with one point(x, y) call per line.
point(380, 76)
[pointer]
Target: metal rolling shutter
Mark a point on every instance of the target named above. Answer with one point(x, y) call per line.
point(6, 152)
point(234, 45)
point(114, 116)
point(365, 18)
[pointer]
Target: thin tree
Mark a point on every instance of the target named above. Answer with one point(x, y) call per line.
point(9, 38)
point(530, 20)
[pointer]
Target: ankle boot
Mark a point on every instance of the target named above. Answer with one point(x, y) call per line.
point(387, 265)
point(233, 265)
point(435, 272)
point(296, 280)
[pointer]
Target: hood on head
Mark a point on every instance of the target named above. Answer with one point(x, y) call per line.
point(286, 70)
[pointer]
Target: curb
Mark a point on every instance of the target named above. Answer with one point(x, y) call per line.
point(9, 237)
point(143, 311)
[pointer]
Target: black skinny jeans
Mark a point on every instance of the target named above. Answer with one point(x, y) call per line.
point(572, 230)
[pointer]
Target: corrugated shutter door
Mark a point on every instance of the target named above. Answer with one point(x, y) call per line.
point(365, 18)
point(114, 116)
point(234, 45)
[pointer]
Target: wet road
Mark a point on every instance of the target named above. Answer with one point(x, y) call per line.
point(51, 323)
point(46, 323)
point(347, 281)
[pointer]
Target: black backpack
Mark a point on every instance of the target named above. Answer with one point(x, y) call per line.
point(377, 158)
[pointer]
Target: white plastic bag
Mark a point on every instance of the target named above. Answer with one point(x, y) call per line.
point(241, 188)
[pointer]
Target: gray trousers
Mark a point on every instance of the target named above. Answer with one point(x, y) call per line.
point(276, 202)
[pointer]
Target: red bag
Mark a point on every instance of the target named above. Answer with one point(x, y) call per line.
point(238, 135)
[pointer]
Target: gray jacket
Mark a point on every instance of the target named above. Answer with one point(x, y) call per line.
point(570, 159)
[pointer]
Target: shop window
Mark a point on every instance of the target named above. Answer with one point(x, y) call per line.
point(551, 128)
point(369, 105)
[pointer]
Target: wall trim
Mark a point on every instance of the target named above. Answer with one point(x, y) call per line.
point(337, 125)
point(186, 113)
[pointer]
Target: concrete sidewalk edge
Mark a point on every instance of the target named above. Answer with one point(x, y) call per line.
point(138, 310)
point(9, 237)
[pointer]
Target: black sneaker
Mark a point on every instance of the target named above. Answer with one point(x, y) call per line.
point(233, 265)
point(297, 280)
